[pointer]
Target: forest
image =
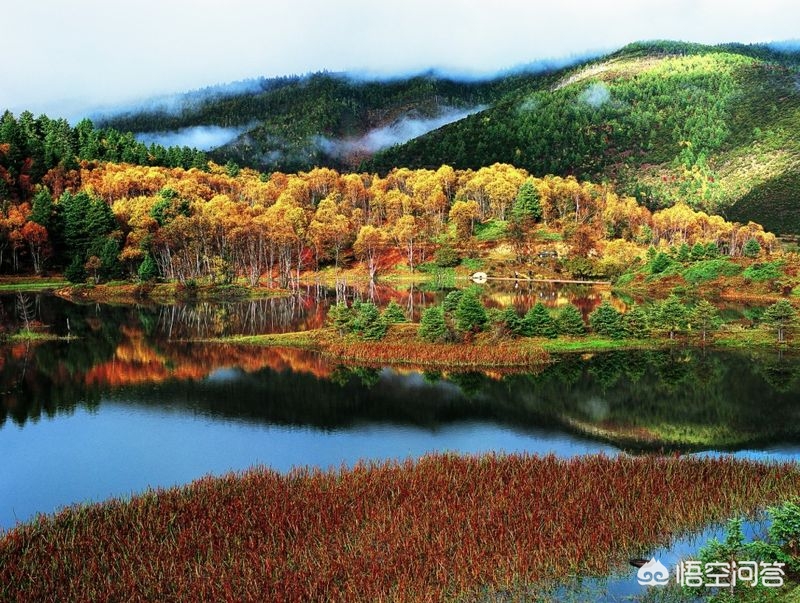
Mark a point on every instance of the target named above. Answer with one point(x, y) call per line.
point(105, 221)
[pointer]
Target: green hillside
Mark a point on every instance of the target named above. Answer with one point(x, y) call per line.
point(292, 123)
point(716, 126)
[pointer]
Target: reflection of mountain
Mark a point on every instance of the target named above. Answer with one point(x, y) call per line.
point(686, 399)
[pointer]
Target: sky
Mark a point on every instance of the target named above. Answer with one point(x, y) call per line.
point(66, 58)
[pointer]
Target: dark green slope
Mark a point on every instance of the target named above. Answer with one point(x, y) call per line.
point(718, 127)
point(287, 121)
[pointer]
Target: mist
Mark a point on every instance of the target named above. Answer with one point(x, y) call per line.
point(596, 95)
point(203, 138)
point(400, 131)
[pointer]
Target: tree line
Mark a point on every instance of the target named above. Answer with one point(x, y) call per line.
point(106, 220)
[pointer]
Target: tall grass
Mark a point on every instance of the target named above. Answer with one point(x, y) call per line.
point(437, 528)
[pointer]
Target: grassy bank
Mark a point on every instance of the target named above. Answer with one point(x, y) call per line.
point(444, 527)
point(25, 284)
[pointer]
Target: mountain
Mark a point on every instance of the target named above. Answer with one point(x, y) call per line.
point(716, 126)
point(294, 123)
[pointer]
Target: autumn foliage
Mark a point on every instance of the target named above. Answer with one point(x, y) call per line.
point(212, 225)
point(440, 527)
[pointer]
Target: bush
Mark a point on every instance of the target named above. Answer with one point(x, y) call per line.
point(511, 321)
point(766, 271)
point(711, 269)
point(446, 257)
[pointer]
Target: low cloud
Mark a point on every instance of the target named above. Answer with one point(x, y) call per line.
point(402, 130)
point(596, 95)
point(204, 138)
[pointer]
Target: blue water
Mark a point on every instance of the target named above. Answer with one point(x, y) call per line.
point(120, 449)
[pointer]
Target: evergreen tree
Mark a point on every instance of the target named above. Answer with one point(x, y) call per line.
point(570, 321)
point(42, 207)
point(698, 252)
point(527, 204)
point(671, 315)
point(780, 316)
point(512, 323)
point(393, 313)
point(606, 320)
point(75, 271)
point(470, 314)
point(340, 316)
point(451, 300)
point(538, 322)
point(660, 263)
point(705, 318)
point(148, 270)
point(368, 323)
point(751, 249)
point(635, 323)
point(712, 250)
point(432, 326)
point(683, 253)
point(107, 250)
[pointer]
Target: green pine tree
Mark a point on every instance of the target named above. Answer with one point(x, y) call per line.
point(451, 300)
point(671, 316)
point(393, 313)
point(698, 252)
point(148, 270)
point(527, 204)
point(705, 318)
point(606, 320)
point(570, 321)
point(470, 314)
point(780, 316)
point(751, 249)
point(432, 326)
point(538, 322)
point(635, 323)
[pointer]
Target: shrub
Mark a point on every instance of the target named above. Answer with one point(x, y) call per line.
point(698, 252)
point(766, 271)
point(446, 257)
point(711, 269)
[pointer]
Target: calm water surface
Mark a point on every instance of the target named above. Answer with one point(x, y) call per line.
point(130, 404)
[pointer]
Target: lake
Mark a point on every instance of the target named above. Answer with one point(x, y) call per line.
point(130, 404)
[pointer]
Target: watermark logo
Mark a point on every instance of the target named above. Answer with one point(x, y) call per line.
point(653, 573)
point(718, 574)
